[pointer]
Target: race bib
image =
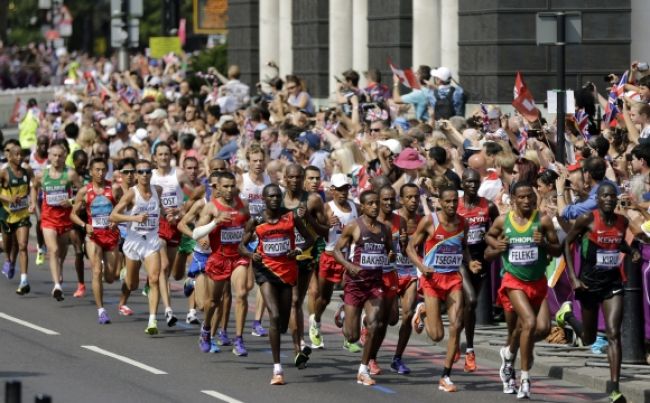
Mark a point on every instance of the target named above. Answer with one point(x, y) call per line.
point(56, 198)
point(373, 261)
point(169, 200)
point(523, 255)
point(276, 246)
point(232, 235)
point(300, 240)
point(607, 259)
point(475, 235)
point(149, 224)
point(256, 207)
point(20, 204)
point(100, 221)
point(451, 260)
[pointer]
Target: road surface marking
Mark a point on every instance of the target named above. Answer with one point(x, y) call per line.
point(29, 325)
point(126, 360)
point(221, 396)
point(384, 389)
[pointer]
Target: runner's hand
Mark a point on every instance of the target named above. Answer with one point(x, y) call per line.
point(256, 257)
point(353, 270)
point(538, 238)
point(502, 244)
point(204, 243)
point(576, 284)
point(301, 210)
point(334, 220)
point(636, 256)
point(392, 256)
point(141, 218)
point(293, 253)
point(89, 229)
point(475, 266)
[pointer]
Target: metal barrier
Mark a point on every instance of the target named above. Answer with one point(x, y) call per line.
point(43, 95)
point(13, 394)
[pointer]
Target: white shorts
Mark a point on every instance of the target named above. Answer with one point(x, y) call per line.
point(138, 247)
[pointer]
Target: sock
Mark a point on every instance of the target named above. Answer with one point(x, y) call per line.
point(100, 310)
point(446, 372)
point(525, 375)
point(277, 368)
point(508, 354)
point(363, 369)
point(152, 318)
point(23, 278)
point(57, 286)
point(192, 311)
point(469, 350)
point(168, 309)
point(575, 324)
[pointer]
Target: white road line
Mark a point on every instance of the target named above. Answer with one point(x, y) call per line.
point(126, 360)
point(29, 325)
point(221, 396)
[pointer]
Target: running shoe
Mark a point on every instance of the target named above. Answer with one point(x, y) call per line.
point(457, 354)
point(565, 308)
point(258, 330)
point(122, 273)
point(188, 286)
point(524, 389)
point(600, 345)
point(417, 323)
point(470, 362)
point(373, 367)
point(152, 328)
point(191, 318)
point(23, 288)
point(365, 379)
point(40, 257)
point(339, 315)
point(214, 347)
point(170, 318)
point(222, 338)
point(506, 370)
point(145, 290)
point(616, 397)
point(238, 348)
point(103, 318)
point(124, 310)
point(510, 386)
point(352, 347)
point(446, 385)
point(278, 378)
point(204, 340)
point(314, 333)
point(301, 360)
point(81, 291)
point(398, 366)
point(8, 270)
point(57, 294)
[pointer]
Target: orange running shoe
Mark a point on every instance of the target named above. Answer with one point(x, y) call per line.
point(446, 385)
point(417, 323)
point(81, 291)
point(365, 379)
point(470, 362)
point(278, 379)
point(457, 354)
point(373, 368)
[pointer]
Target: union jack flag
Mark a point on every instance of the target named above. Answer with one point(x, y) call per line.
point(486, 119)
point(614, 93)
point(582, 120)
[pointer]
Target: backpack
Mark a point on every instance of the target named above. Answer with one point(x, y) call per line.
point(444, 107)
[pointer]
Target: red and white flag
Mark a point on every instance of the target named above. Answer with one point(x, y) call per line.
point(19, 110)
point(523, 101)
point(406, 76)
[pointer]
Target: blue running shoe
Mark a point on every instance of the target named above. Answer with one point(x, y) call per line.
point(238, 348)
point(398, 366)
point(8, 270)
point(204, 340)
point(103, 318)
point(188, 287)
point(258, 330)
point(223, 339)
point(600, 345)
point(214, 347)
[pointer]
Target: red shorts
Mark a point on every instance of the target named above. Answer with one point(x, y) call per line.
point(440, 285)
point(365, 286)
point(391, 284)
point(404, 283)
point(329, 269)
point(169, 233)
point(107, 239)
point(220, 267)
point(534, 290)
point(60, 228)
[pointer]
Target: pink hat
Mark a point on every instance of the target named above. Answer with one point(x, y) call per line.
point(410, 159)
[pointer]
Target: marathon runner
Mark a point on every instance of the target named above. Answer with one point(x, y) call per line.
point(478, 213)
point(275, 268)
point(445, 234)
point(15, 196)
point(38, 162)
point(524, 240)
point(78, 233)
point(126, 166)
point(142, 243)
point(103, 236)
point(371, 244)
point(600, 283)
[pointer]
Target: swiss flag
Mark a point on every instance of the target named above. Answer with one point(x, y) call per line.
point(405, 76)
point(523, 101)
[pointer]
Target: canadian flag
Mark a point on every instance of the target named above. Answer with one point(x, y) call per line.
point(406, 76)
point(523, 101)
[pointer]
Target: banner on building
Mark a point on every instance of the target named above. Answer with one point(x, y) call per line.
point(210, 16)
point(160, 46)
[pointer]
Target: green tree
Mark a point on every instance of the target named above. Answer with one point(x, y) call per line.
point(22, 22)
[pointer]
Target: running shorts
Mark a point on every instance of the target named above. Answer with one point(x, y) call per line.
point(329, 269)
point(365, 286)
point(219, 267)
point(534, 290)
point(139, 247)
point(198, 263)
point(440, 285)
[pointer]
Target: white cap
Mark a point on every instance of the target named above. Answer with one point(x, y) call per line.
point(108, 122)
point(139, 135)
point(494, 113)
point(441, 73)
point(393, 145)
point(339, 180)
point(111, 131)
point(157, 114)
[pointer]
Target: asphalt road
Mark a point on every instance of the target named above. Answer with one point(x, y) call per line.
point(73, 359)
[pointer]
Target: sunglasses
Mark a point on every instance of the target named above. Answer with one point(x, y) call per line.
point(375, 130)
point(128, 171)
point(144, 171)
point(291, 88)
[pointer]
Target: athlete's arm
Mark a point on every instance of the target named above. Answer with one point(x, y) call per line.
point(316, 217)
point(494, 236)
point(36, 185)
point(553, 246)
point(3, 184)
point(580, 226)
point(388, 241)
point(189, 217)
point(117, 216)
point(420, 235)
point(248, 236)
point(309, 239)
point(348, 236)
point(79, 203)
point(493, 211)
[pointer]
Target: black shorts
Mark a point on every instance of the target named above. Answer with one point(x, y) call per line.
point(264, 275)
point(601, 285)
point(13, 227)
